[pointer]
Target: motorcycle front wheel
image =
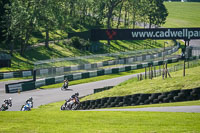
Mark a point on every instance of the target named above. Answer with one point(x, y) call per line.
point(22, 108)
point(62, 107)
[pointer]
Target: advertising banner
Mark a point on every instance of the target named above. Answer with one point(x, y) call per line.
point(141, 34)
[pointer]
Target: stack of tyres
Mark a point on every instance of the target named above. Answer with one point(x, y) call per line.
point(153, 98)
point(92, 104)
point(119, 101)
point(161, 97)
point(103, 102)
point(127, 100)
point(142, 98)
point(195, 93)
point(134, 98)
point(87, 104)
point(98, 103)
point(180, 97)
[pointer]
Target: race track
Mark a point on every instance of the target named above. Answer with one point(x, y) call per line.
point(188, 109)
point(42, 97)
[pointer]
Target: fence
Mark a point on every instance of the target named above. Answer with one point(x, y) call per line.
point(76, 76)
point(82, 64)
point(82, 75)
point(156, 71)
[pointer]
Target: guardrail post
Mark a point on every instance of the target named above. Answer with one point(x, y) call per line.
point(34, 75)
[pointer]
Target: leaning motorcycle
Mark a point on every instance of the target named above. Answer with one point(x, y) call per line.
point(6, 104)
point(64, 87)
point(28, 105)
point(74, 106)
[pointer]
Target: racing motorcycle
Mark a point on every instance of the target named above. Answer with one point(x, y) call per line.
point(28, 105)
point(71, 104)
point(65, 85)
point(6, 104)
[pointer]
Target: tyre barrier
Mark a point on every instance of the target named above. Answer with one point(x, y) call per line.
point(102, 89)
point(142, 99)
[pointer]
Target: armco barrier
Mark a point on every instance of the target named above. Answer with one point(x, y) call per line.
point(126, 60)
point(142, 99)
point(102, 89)
point(16, 74)
point(59, 70)
point(77, 76)
point(21, 86)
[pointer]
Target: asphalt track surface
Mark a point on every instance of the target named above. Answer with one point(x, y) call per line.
point(188, 109)
point(42, 97)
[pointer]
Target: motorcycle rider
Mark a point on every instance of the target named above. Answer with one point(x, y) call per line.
point(7, 103)
point(30, 102)
point(74, 98)
point(66, 83)
point(28, 105)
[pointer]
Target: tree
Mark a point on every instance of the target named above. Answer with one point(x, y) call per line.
point(110, 7)
point(2, 21)
point(20, 21)
point(46, 17)
point(157, 13)
point(134, 11)
point(161, 13)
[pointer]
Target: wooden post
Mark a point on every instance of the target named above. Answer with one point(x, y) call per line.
point(163, 73)
point(166, 70)
point(150, 72)
point(160, 70)
point(141, 78)
point(184, 61)
point(145, 73)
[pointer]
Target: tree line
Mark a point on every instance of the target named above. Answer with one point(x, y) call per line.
point(20, 18)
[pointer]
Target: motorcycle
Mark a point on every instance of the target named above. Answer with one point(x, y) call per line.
point(28, 105)
point(65, 86)
point(6, 104)
point(71, 104)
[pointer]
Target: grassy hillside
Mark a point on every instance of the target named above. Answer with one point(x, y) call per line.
point(132, 86)
point(64, 49)
point(183, 14)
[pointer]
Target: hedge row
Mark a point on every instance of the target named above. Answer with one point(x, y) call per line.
point(142, 99)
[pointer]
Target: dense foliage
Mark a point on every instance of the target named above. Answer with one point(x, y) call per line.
point(25, 17)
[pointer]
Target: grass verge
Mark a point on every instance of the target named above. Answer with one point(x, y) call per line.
point(98, 122)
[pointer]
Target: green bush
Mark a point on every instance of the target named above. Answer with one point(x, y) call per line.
point(79, 42)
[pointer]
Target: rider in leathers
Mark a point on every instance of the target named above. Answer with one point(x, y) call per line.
point(72, 99)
